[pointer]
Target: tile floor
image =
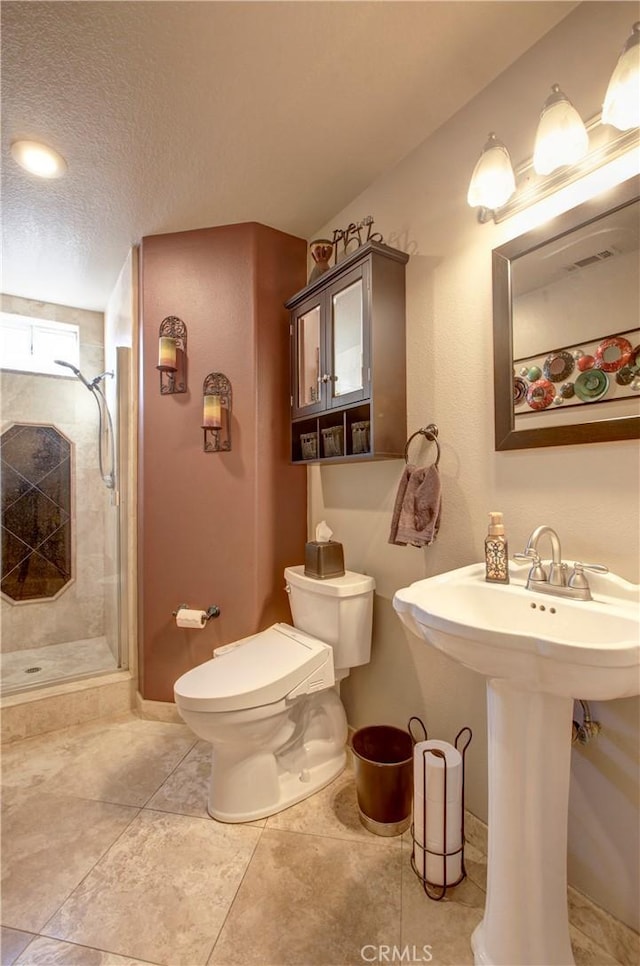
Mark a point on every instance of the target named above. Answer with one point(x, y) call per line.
point(110, 859)
point(57, 662)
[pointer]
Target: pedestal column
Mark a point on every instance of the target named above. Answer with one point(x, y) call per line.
point(526, 918)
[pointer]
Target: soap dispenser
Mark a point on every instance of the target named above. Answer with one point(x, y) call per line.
point(495, 551)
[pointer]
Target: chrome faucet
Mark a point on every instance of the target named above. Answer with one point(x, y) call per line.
point(557, 569)
point(555, 581)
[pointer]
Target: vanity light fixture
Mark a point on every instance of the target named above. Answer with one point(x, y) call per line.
point(172, 356)
point(216, 421)
point(566, 148)
point(561, 137)
point(39, 159)
point(493, 181)
point(621, 106)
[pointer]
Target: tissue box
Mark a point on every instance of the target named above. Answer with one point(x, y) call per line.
point(323, 560)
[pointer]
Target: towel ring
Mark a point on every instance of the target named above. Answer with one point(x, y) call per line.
point(429, 432)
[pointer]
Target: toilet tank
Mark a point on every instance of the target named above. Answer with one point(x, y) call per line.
point(338, 611)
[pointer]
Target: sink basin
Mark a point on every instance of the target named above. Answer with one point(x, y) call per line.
point(538, 653)
point(570, 648)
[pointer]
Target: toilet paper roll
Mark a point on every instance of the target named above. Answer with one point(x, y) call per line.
point(428, 772)
point(431, 866)
point(195, 619)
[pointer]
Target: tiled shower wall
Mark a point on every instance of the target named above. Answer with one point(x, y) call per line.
point(79, 611)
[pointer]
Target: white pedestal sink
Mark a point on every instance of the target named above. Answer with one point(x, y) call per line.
point(539, 653)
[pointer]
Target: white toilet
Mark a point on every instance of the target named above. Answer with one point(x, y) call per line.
point(268, 704)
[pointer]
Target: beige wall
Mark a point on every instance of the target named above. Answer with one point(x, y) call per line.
point(78, 612)
point(588, 493)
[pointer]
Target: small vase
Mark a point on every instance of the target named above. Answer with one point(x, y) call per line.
point(321, 250)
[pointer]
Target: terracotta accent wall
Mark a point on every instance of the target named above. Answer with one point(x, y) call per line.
point(216, 527)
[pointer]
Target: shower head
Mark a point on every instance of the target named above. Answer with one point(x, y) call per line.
point(76, 372)
point(98, 379)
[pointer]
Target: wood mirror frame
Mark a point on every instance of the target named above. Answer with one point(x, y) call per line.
point(587, 430)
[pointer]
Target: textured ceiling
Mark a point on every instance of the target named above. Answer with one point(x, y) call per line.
point(176, 115)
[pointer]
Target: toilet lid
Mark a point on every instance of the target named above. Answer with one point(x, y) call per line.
point(258, 670)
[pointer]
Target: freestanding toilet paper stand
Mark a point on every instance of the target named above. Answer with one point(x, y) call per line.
point(461, 743)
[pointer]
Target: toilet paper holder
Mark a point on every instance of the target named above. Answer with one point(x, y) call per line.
point(461, 743)
point(212, 611)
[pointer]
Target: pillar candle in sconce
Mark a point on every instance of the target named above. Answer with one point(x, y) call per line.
point(167, 354)
point(216, 421)
point(172, 355)
point(212, 412)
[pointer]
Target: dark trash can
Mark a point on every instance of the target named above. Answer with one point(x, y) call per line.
point(383, 762)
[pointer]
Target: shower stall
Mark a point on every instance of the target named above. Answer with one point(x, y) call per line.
point(60, 475)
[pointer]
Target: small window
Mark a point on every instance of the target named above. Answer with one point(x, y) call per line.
point(33, 345)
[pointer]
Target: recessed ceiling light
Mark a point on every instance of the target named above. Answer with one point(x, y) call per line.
point(39, 159)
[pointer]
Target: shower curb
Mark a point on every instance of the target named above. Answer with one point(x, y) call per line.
point(41, 710)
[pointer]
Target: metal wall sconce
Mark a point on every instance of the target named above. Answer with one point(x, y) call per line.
point(216, 421)
point(172, 355)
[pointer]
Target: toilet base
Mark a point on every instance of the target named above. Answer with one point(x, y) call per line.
point(292, 789)
point(266, 759)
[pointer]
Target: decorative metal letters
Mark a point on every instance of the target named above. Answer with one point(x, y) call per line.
point(351, 237)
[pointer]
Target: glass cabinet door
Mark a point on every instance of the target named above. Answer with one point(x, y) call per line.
point(330, 346)
point(308, 383)
point(348, 348)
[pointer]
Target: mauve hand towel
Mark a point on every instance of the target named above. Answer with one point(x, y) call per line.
point(417, 510)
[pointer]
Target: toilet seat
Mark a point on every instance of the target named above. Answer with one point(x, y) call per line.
point(258, 670)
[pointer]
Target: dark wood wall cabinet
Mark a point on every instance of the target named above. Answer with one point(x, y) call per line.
point(348, 366)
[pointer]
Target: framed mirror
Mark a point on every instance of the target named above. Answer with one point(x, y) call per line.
point(566, 327)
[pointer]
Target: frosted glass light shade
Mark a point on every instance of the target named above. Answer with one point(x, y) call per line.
point(493, 181)
point(621, 106)
point(561, 137)
point(39, 159)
